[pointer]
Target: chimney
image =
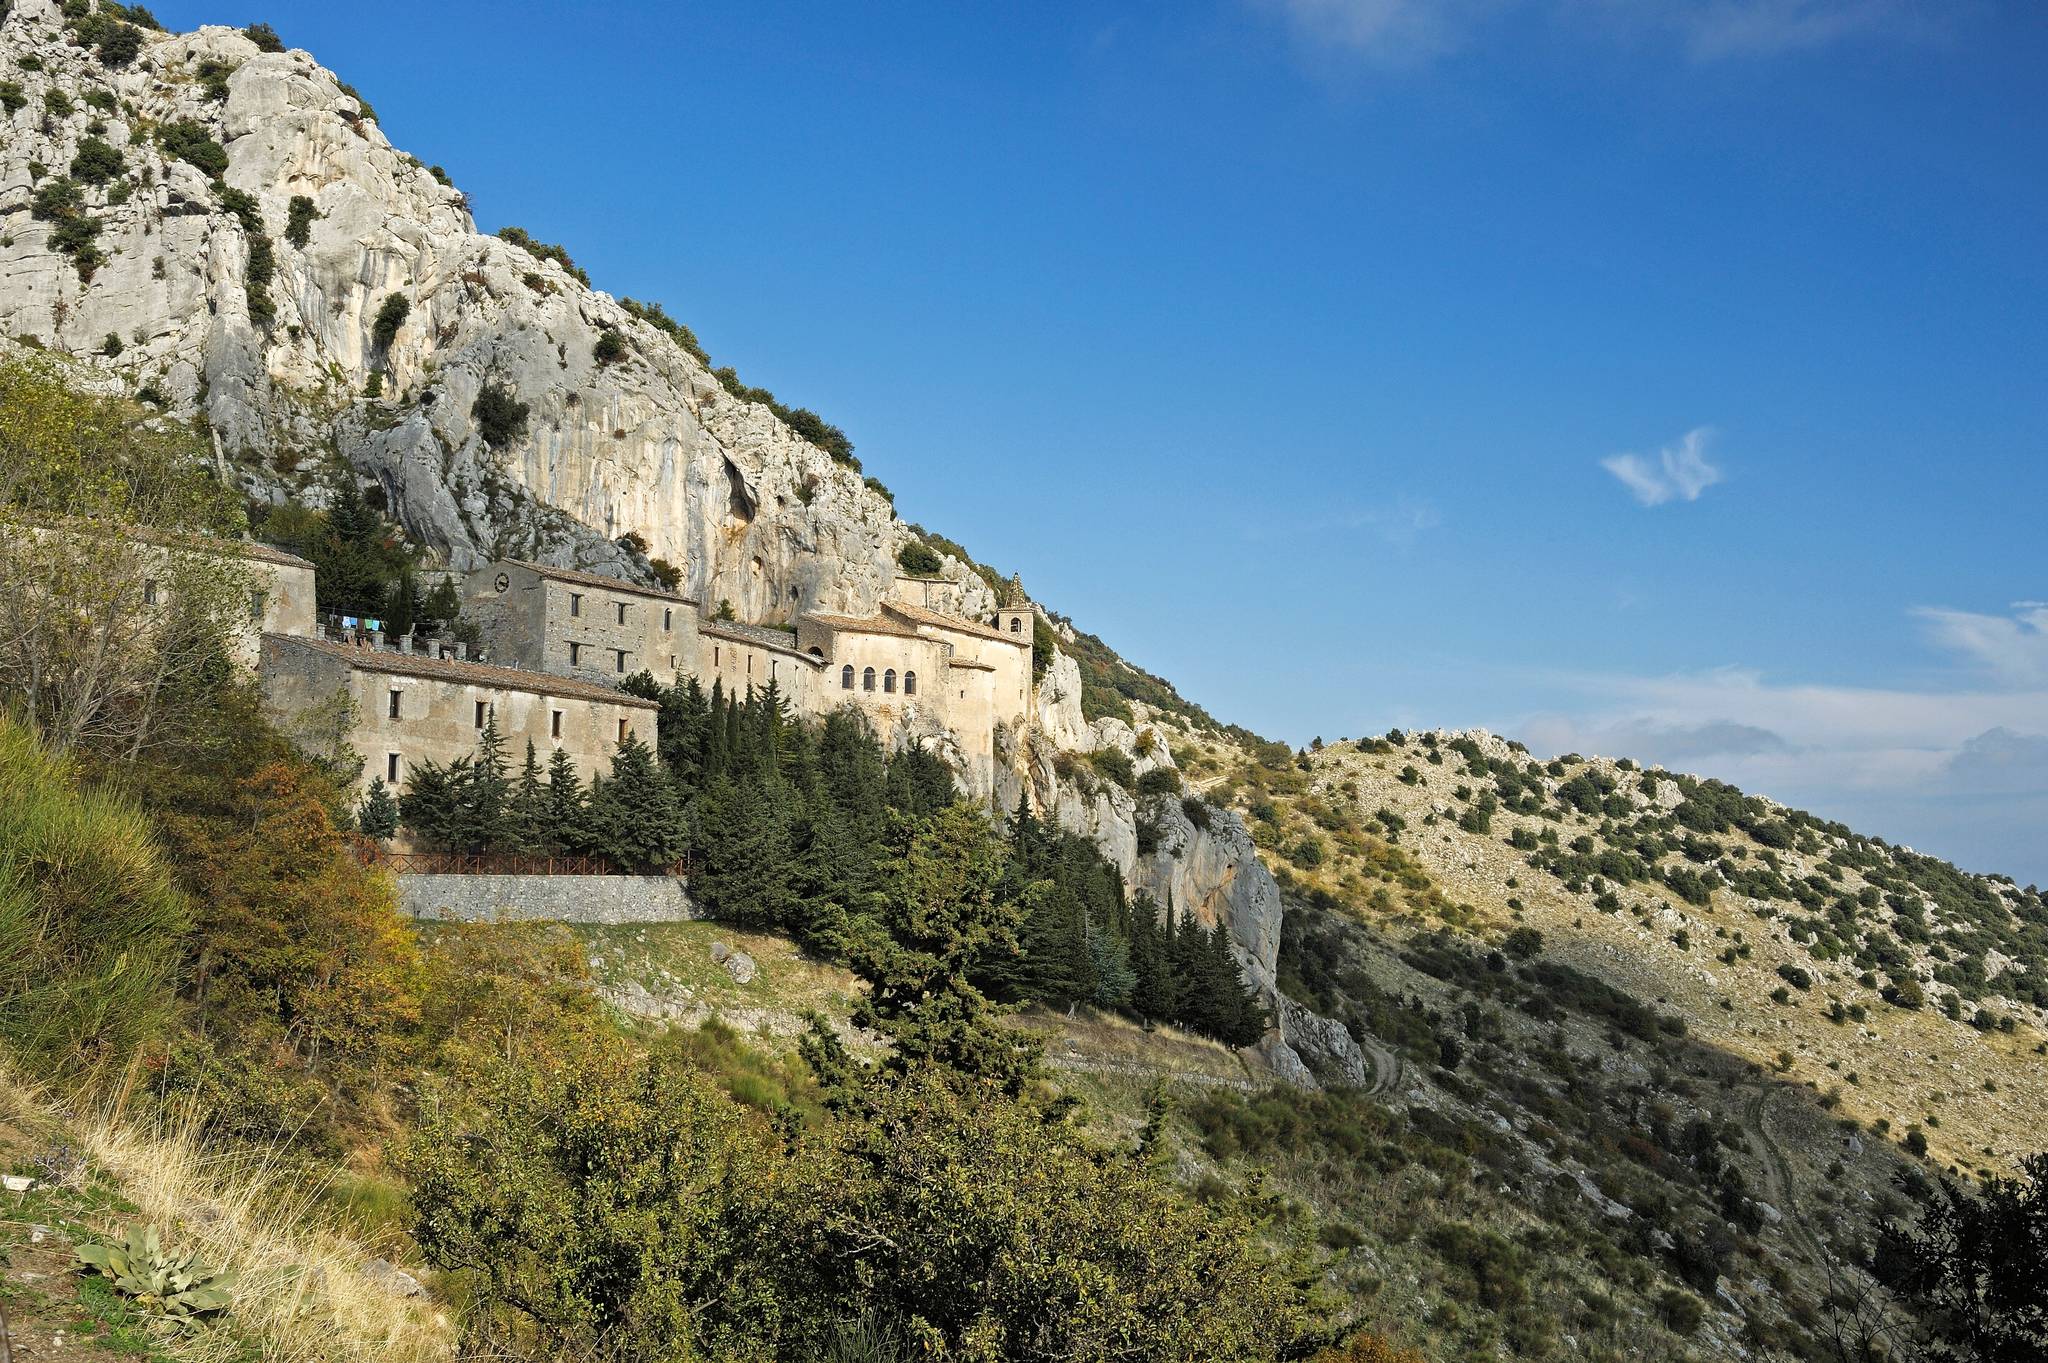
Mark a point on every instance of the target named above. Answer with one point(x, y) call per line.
point(405, 644)
point(376, 639)
point(461, 651)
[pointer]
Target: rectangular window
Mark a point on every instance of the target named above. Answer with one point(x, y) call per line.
point(483, 713)
point(575, 603)
point(622, 731)
point(667, 618)
point(391, 769)
point(575, 654)
point(149, 591)
point(622, 612)
point(255, 605)
point(395, 695)
point(555, 724)
point(619, 659)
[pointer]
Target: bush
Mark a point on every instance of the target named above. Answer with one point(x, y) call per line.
point(90, 920)
point(1680, 1311)
point(919, 559)
point(189, 142)
point(265, 37)
point(1112, 762)
point(96, 162)
point(1159, 781)
point(298, 228)
point(1794, 976)
point(610, 347)
point(390, 317)
point(500, 417)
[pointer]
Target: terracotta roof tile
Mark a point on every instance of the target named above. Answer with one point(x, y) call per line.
point(780, 640)
point(583, 579)
point(876, 624)
point(958, 624)
point(471, 673)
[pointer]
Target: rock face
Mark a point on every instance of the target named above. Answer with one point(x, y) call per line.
point(645, 443)
point(649, 443)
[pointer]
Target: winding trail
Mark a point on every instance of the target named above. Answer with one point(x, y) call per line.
point(1387, 1070)
point(1778, 1178)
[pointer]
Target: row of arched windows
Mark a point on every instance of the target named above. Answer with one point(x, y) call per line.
point(867, 680)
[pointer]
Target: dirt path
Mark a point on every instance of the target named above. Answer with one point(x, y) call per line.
point(1387, 1070)
point(1778, 1178)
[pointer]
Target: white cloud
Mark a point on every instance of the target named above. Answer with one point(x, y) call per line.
point(1394, 31)
point(1679, 471)
point(1407, 32)
point(2012, 648)
point(1766, 28)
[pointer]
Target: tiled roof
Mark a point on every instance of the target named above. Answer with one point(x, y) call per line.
point(876, 624)
point(582, 579)
point(957, 624)
point(471, 673)
point(262, 553)
point(780, 640)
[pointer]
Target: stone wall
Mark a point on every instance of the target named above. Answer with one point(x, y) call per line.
point(564, 899)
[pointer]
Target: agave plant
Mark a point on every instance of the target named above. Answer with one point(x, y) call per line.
point(176, 1286)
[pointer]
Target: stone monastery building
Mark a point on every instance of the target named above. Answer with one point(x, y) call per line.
point(555, 644)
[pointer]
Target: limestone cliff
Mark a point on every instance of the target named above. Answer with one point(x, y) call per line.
point(291, 376)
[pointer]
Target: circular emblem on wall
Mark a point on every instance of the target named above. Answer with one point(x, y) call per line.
point(504, 581)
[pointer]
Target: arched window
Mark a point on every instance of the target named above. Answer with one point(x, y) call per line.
point(889, 680)
point(867, 679)
point(846, 676)
point(909, 683)
point(1016, 624)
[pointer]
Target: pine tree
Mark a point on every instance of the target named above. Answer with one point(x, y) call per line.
point(432, 807)
point(563, 826)
point(443, 604)
point(744, 850)
point(634, 816)
point(402, 608)
point(526, 817)
point(487, 793)
point(377, 816)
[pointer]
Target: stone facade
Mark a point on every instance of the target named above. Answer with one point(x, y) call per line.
point(577, 624)
point(916, 671)
point(560, 899)
point(408, 708)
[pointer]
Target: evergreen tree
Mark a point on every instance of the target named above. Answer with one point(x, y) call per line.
point(487, 797)
point(432, 807)
point(744, 853)
point(443, 605)
point(634, 818)
point(377, 816)
point(526, 817)
point(1155, 992)
point(403, 607)
point(562, 827)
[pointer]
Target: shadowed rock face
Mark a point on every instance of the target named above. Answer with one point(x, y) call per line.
point(649, 444)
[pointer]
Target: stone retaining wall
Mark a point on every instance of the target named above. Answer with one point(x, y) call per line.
point(564, 899)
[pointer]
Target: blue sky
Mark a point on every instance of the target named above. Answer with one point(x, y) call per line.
point(1650, 377)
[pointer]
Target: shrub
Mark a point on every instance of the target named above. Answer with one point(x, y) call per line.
point(1794, 976)
point(390, 317)
point(541, 250)
point(1114, 764)
point(919, 559)
point(90, 921)
point(610, 347)
point(1680, 1311)
point(500, 417)
point(111, 347)
point(298, 228)
point(189, 142)
point(265, 37)
point(1159, 781)
point(96, 162)
point(11, 97)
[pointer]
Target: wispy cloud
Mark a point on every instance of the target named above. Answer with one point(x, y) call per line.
point(1411, 32)
point(1678, 472)
point(2011, 648)
point(1766, 28)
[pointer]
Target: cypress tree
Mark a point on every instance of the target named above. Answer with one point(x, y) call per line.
point(563, 825)
point(526, 817)
point(377, 817)
point(634, 816)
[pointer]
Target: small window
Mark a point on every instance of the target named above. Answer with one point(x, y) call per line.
point(714, 655)
point(149, 591)
point(575, 654)
point(1016, 624)
point(555, 724)
point(867, 679)
point(889, 680)
point(622, 731)
point(619, 660)
point(750, 664)
point(846, 677)
point(395, 697)
point(622, 612)
point(909, 683)
point(483, 713)
point(575, 603)
point(667, 618)
point(391, 769)
point(256, 600)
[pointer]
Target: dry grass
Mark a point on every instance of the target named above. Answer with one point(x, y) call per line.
point(302, 1294)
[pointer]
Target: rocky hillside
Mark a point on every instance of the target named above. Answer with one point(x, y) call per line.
point(219, 226)
point(1912, 995)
